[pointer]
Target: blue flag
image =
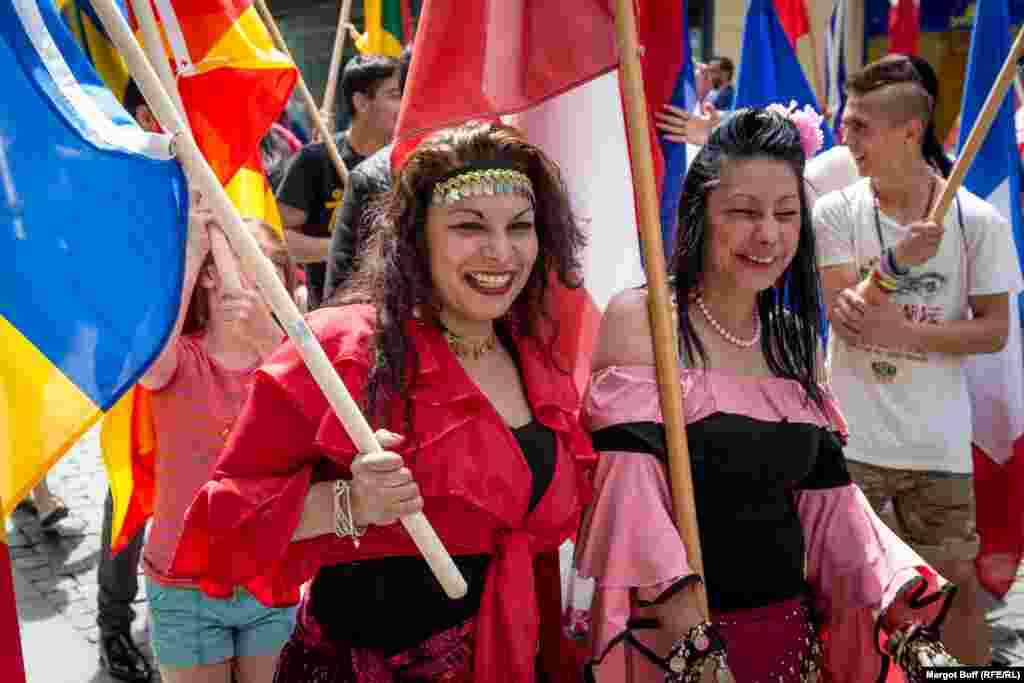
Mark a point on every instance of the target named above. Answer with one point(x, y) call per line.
point(93, 223)
point(995, 174)
point(684, 96)
point(770, 72)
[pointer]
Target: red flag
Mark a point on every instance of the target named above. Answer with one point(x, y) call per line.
point(532, 51)
point(904, 26)
point(793, 17)
point(12, 662)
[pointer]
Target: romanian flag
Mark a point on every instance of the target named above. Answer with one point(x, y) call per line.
point(385, 27)
point(81, 188)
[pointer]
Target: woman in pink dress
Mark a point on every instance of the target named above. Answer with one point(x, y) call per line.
point(801, 576)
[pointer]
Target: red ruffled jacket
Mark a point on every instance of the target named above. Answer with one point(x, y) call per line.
point(474, 480)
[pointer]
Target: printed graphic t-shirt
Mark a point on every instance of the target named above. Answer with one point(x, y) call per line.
point(909, 409)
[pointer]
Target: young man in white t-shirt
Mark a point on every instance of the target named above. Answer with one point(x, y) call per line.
point(897, 365)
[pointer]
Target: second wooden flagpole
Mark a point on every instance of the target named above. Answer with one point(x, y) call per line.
point(660, 303)
point(333, 71)
point(259, 267)
point(307, 97)
point(982, 124)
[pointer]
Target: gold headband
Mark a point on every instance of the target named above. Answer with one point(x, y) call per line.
point(476, 182)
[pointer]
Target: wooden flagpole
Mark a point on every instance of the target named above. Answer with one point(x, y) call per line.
point(981, 127)
point(333, 72)
point(307, 97)
point(659, 300)
point(12, 659)
point(227, 267)
point(273, 291)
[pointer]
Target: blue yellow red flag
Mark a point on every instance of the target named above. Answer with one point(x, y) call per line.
point(93, 221)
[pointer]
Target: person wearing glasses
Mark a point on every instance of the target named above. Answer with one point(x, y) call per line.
point(938, 293)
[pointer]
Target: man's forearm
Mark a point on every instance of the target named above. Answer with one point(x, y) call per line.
point(958, 337)
point(306, 249)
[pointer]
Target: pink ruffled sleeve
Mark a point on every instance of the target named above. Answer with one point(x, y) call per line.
point(628, 540)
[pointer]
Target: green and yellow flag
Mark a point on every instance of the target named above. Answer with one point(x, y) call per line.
point(384, 28)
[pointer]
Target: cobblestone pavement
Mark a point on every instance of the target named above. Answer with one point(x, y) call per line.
point(55, 581)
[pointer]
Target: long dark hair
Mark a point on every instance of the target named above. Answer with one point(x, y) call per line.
point(790, 312)
point(394, 272)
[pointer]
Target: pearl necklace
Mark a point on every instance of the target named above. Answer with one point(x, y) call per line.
point(729, 337)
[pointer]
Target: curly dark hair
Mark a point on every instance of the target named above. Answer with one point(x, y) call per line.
point(394, 272)
point(790, 313)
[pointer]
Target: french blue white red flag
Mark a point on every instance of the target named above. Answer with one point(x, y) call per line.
point(770, 72)
point(996, 381)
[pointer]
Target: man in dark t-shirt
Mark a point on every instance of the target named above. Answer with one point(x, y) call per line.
point(311, 189)
point(367, 182)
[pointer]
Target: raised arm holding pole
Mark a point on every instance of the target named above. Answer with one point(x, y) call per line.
point(307, 97)
point(253, 260)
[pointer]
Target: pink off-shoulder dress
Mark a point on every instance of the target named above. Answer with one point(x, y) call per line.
point(796, 562)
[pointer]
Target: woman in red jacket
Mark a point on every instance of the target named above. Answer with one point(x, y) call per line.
point(450, 350)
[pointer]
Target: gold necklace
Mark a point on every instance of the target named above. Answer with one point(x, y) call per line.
point(470, 347)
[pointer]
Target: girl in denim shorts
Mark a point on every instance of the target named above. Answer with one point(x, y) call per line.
point(196, 389)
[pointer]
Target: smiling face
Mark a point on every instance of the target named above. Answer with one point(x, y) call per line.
point(753, 225)
point(481, 251)
point(876, 141)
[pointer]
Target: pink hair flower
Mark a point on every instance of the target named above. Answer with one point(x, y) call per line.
point(807, 121)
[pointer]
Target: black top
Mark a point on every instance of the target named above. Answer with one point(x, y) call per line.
point(398, 601)
point(745, 474)
point(366, 184)
point(311, 184)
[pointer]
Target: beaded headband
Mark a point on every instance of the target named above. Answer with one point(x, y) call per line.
point(477, 180)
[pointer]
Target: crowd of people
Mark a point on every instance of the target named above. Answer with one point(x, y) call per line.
point(274, 553)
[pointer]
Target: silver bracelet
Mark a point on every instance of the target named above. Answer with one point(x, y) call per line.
point(344, 525)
